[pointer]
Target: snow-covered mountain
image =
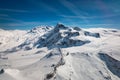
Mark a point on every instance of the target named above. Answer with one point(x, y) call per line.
point(60, 53)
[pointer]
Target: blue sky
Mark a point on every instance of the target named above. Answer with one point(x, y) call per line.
point(26, 14)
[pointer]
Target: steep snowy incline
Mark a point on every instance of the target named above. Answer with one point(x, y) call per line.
point(19, 37)
point(60, 53)
point(59, 36)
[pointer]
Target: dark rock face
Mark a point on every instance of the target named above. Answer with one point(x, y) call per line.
point(70, 42)
point(97, 35)
point(49, 41)
point(38, 52)
point(59, 27)
point(112, 64)
point(61, 62)
point(77, 28)
point(1, 71)
point(114, 31)
point(49, 55)
point(27, 48)
point(70, 34)
point(49, 76)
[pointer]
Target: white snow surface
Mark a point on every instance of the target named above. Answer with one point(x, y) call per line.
point(60, 53)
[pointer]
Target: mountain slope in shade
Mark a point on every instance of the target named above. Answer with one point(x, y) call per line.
point(60, 53)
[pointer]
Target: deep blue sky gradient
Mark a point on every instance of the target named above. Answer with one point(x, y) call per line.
point(26, 14)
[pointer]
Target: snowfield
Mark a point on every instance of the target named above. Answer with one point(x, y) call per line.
point(60, 53)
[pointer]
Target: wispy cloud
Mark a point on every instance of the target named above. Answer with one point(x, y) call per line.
point(10, 19)
point(27, 24)
point(3, 15)
point(73, 8)
point(19, 24)
point(109, 8)
point(44, 6)
point(13, 10)
point(50, 8)
point(91, 17)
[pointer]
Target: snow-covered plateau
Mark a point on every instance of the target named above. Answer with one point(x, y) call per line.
point(60, 53)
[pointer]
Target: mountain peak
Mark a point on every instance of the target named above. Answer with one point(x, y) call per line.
point(61, 26)
point(40, 29)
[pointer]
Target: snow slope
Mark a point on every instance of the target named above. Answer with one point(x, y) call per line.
point(60, 53)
